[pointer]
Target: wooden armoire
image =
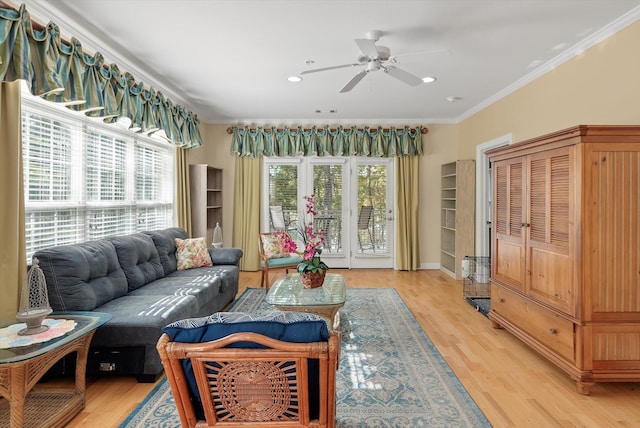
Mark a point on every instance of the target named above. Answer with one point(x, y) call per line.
point(565, 257)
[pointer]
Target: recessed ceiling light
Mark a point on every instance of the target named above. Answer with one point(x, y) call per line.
point(428, 79)
point(294, 79)
point(453, 99)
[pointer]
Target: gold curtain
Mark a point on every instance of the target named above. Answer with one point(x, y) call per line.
point(183, 198)
point(13, 264)
point(407, 181)
point(246, 210)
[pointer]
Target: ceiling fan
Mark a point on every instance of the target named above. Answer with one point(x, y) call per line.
point(374, 58)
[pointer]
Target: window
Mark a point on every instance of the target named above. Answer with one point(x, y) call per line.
point(85, 180)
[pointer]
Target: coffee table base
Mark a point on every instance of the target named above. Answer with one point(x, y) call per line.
point(328, 312)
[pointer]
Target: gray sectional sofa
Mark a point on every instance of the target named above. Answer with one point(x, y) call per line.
point(135, 279)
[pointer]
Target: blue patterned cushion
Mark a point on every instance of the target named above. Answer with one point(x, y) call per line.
point(298, 327)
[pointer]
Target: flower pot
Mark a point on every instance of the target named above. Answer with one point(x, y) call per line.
point(312, 279)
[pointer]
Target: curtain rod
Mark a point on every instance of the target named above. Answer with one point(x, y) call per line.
point(423, 131)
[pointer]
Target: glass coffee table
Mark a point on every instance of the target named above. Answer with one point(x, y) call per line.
point(288, 294)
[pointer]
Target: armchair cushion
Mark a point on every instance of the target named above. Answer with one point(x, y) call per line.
point(282, 261)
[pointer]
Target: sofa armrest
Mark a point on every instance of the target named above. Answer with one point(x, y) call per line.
point(226, 256)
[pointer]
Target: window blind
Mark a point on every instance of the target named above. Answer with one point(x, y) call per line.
point(85, 180)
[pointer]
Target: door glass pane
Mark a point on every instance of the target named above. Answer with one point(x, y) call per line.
point(283, 197)
point(372, 209)
point(327, 188)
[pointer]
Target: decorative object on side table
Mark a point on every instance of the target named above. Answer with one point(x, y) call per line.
point(312, 269)
point(34, 301)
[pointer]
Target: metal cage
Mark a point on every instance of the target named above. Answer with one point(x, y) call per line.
point(476, 271)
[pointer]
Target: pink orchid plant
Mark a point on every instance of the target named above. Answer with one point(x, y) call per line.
point(313, 242)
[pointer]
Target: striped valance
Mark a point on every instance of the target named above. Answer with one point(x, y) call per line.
point(59, 71)
point(326, 141)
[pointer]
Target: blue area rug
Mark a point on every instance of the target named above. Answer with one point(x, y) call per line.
point(390, 374)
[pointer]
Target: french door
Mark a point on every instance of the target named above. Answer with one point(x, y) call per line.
point(353, 200)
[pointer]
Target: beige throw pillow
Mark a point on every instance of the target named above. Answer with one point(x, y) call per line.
point(273, 247)
point(192, 253)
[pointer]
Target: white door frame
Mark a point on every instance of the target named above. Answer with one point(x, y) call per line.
point(483, 191)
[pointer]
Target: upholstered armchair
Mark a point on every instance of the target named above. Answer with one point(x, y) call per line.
point(273, 256)
point(246, 370)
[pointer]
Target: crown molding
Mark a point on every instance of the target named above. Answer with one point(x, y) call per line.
point(577, 49)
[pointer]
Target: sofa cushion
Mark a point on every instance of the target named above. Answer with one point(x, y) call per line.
point(166, 246)
point(192, 253)
point(138, 320)
point(81, 277)
point(139, 259)
point(204, 287)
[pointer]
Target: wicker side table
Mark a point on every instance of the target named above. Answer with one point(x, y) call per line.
point(22, 367)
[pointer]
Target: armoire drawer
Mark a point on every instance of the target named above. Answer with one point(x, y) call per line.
point(540, 323)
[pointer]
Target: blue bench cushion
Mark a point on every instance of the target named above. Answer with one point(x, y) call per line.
point(297, 327)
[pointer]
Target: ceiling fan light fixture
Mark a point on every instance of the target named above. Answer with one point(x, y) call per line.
point(429, 79)
point(294, 79)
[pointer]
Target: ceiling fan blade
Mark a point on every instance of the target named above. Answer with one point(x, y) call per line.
point(368, 47)
point(402, 75)
point(354, 81)
point(316, 70)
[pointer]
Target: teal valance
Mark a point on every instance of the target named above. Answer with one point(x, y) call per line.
point(61, 72)
point(325, 141)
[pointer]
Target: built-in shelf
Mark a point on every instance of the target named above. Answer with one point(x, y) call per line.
point(457, 215)
point(205, 183)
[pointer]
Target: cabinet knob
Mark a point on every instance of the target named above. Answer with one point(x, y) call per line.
point(501, 300)
point(553, 330)
point(525, 224)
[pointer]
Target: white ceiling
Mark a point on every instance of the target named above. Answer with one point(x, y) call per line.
point(228, 60)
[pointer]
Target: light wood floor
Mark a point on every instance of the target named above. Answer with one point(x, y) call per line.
point(512, 385)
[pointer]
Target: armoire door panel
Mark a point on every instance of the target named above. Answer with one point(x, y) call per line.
point(550, 264)
point(509, 266)
point(550, 279)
